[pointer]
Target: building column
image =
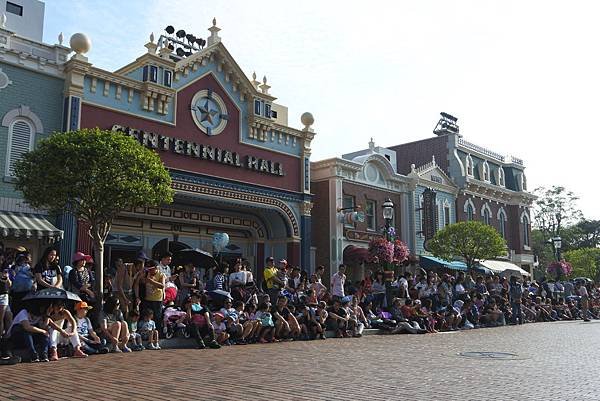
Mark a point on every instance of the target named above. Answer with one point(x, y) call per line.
point(260, 262)
point(67, 221)
point(293, 253)
point(306, 234)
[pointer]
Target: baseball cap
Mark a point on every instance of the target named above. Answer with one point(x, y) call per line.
point(82, 305)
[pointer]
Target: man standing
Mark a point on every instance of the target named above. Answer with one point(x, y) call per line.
point(319, 273)
point(516, 293)
point(272, 281)
point(155, 283)
point(337, 283)
point(163, 266)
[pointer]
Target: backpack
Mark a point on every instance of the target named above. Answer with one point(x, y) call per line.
point(23, 281)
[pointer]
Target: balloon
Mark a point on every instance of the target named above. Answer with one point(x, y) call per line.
point(220, 241)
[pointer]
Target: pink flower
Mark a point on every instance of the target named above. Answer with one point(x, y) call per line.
point(401, 251)
point(560, 268)
point(382, 250)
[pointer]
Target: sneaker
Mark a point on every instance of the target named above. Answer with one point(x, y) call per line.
point(116, 349)
point(157, 346)
point(53, 354)
point(150, 346)
point(213, 345)
point(201, 345)
point(44, 358)
point(126, 349)
point(181, 326)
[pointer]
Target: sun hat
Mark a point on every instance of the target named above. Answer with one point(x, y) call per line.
point(82, 305)
point(142, 256)
point(80, 256)
point(219, 314)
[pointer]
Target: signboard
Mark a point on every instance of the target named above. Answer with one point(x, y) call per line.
point(156, 141)
point(429, 211)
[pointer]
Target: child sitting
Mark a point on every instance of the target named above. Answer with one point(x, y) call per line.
point(200, 326)
point(90, 342)
point(267, 327)
point(220, 329)
point(134, 337)
point(147, 329)
point(232, 320)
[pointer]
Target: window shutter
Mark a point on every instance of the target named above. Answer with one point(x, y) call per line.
point(19, 145)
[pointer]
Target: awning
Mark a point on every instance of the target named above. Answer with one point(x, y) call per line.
point(355, 255)
point(27, 225)
point(503, 267)
point(430, 262)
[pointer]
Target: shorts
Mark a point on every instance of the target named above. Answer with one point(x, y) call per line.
point(145, 335)
point(3, 299)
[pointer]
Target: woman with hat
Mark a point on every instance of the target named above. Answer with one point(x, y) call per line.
point(155, 284)
point(81, 280)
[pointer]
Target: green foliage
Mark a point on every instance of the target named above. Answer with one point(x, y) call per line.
point(471, 240)
point(95, 174)
point(585, 262)
point(554, 209)
point(541, 248)
point(584, 234)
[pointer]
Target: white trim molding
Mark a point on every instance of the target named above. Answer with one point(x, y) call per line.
point(525, 214)
point(468, 202)
point(489, 209)
point(25, 112)
point(502, 214)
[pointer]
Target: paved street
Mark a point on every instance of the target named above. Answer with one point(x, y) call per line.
point(556, 361)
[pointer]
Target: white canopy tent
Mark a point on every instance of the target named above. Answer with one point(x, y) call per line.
point(503, 267)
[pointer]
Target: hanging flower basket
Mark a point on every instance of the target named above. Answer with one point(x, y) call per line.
point(401, 252)
point(559, 269)
point(382, 250)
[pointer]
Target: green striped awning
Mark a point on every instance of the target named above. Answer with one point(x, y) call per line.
point(27, 225)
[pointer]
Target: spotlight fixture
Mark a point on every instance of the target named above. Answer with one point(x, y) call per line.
point(170, 29)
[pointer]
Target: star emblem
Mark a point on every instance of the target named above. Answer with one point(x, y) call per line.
point(207, 114)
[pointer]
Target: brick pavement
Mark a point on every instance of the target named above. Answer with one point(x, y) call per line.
point(557, 361)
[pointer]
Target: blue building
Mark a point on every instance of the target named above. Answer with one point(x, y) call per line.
point(31, 93)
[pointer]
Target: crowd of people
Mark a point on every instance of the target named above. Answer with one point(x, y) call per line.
point(148, 300)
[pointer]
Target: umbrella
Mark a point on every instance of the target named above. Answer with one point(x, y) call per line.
point(220, 294)
point(197, 257)
point(584, 279)
point(52, 294)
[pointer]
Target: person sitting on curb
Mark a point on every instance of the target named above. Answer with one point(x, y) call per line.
point(58, 316)
point(147, 329)
point(90, 342)
point(201, 327)
point(114, 327)
point(338, 319)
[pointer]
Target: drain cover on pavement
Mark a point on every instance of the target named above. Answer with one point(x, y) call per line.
point(489, 355)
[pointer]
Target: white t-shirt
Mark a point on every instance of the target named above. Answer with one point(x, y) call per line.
point(337, 284)
point(83, 326)
point(583, 292)
point(166, 270)
point(20, 318)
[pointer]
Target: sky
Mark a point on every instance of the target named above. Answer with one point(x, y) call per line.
point(521, 76)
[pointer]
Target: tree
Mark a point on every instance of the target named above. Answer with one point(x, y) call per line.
point(584, 234)
point(471, 240)
point(93, 174)
point(554, 209)
point(585, 262)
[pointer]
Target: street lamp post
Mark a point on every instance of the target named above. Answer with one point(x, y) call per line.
point(557, 241)
point(388, 215)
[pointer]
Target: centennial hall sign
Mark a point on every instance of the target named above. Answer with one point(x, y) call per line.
point(156, 141)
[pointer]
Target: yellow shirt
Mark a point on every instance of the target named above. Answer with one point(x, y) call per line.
point(269, 273)
point(154, 293)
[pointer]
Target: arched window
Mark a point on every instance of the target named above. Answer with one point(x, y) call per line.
point(469, 166)
point(20, 141)
point(525, 230)
point(502, 220)
point(501, 177)
point(524, 182)
point(469, 209)
point(486, 216)
point(485, 169)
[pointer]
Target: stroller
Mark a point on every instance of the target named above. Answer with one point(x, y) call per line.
point(173, 325)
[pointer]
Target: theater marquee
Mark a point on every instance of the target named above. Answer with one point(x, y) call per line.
point(156, 141)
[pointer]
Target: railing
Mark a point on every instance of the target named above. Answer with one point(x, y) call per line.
point(516, 160)
point(481, 150)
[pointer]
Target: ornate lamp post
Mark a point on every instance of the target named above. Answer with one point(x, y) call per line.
point(388, 215)
point(557, 241)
